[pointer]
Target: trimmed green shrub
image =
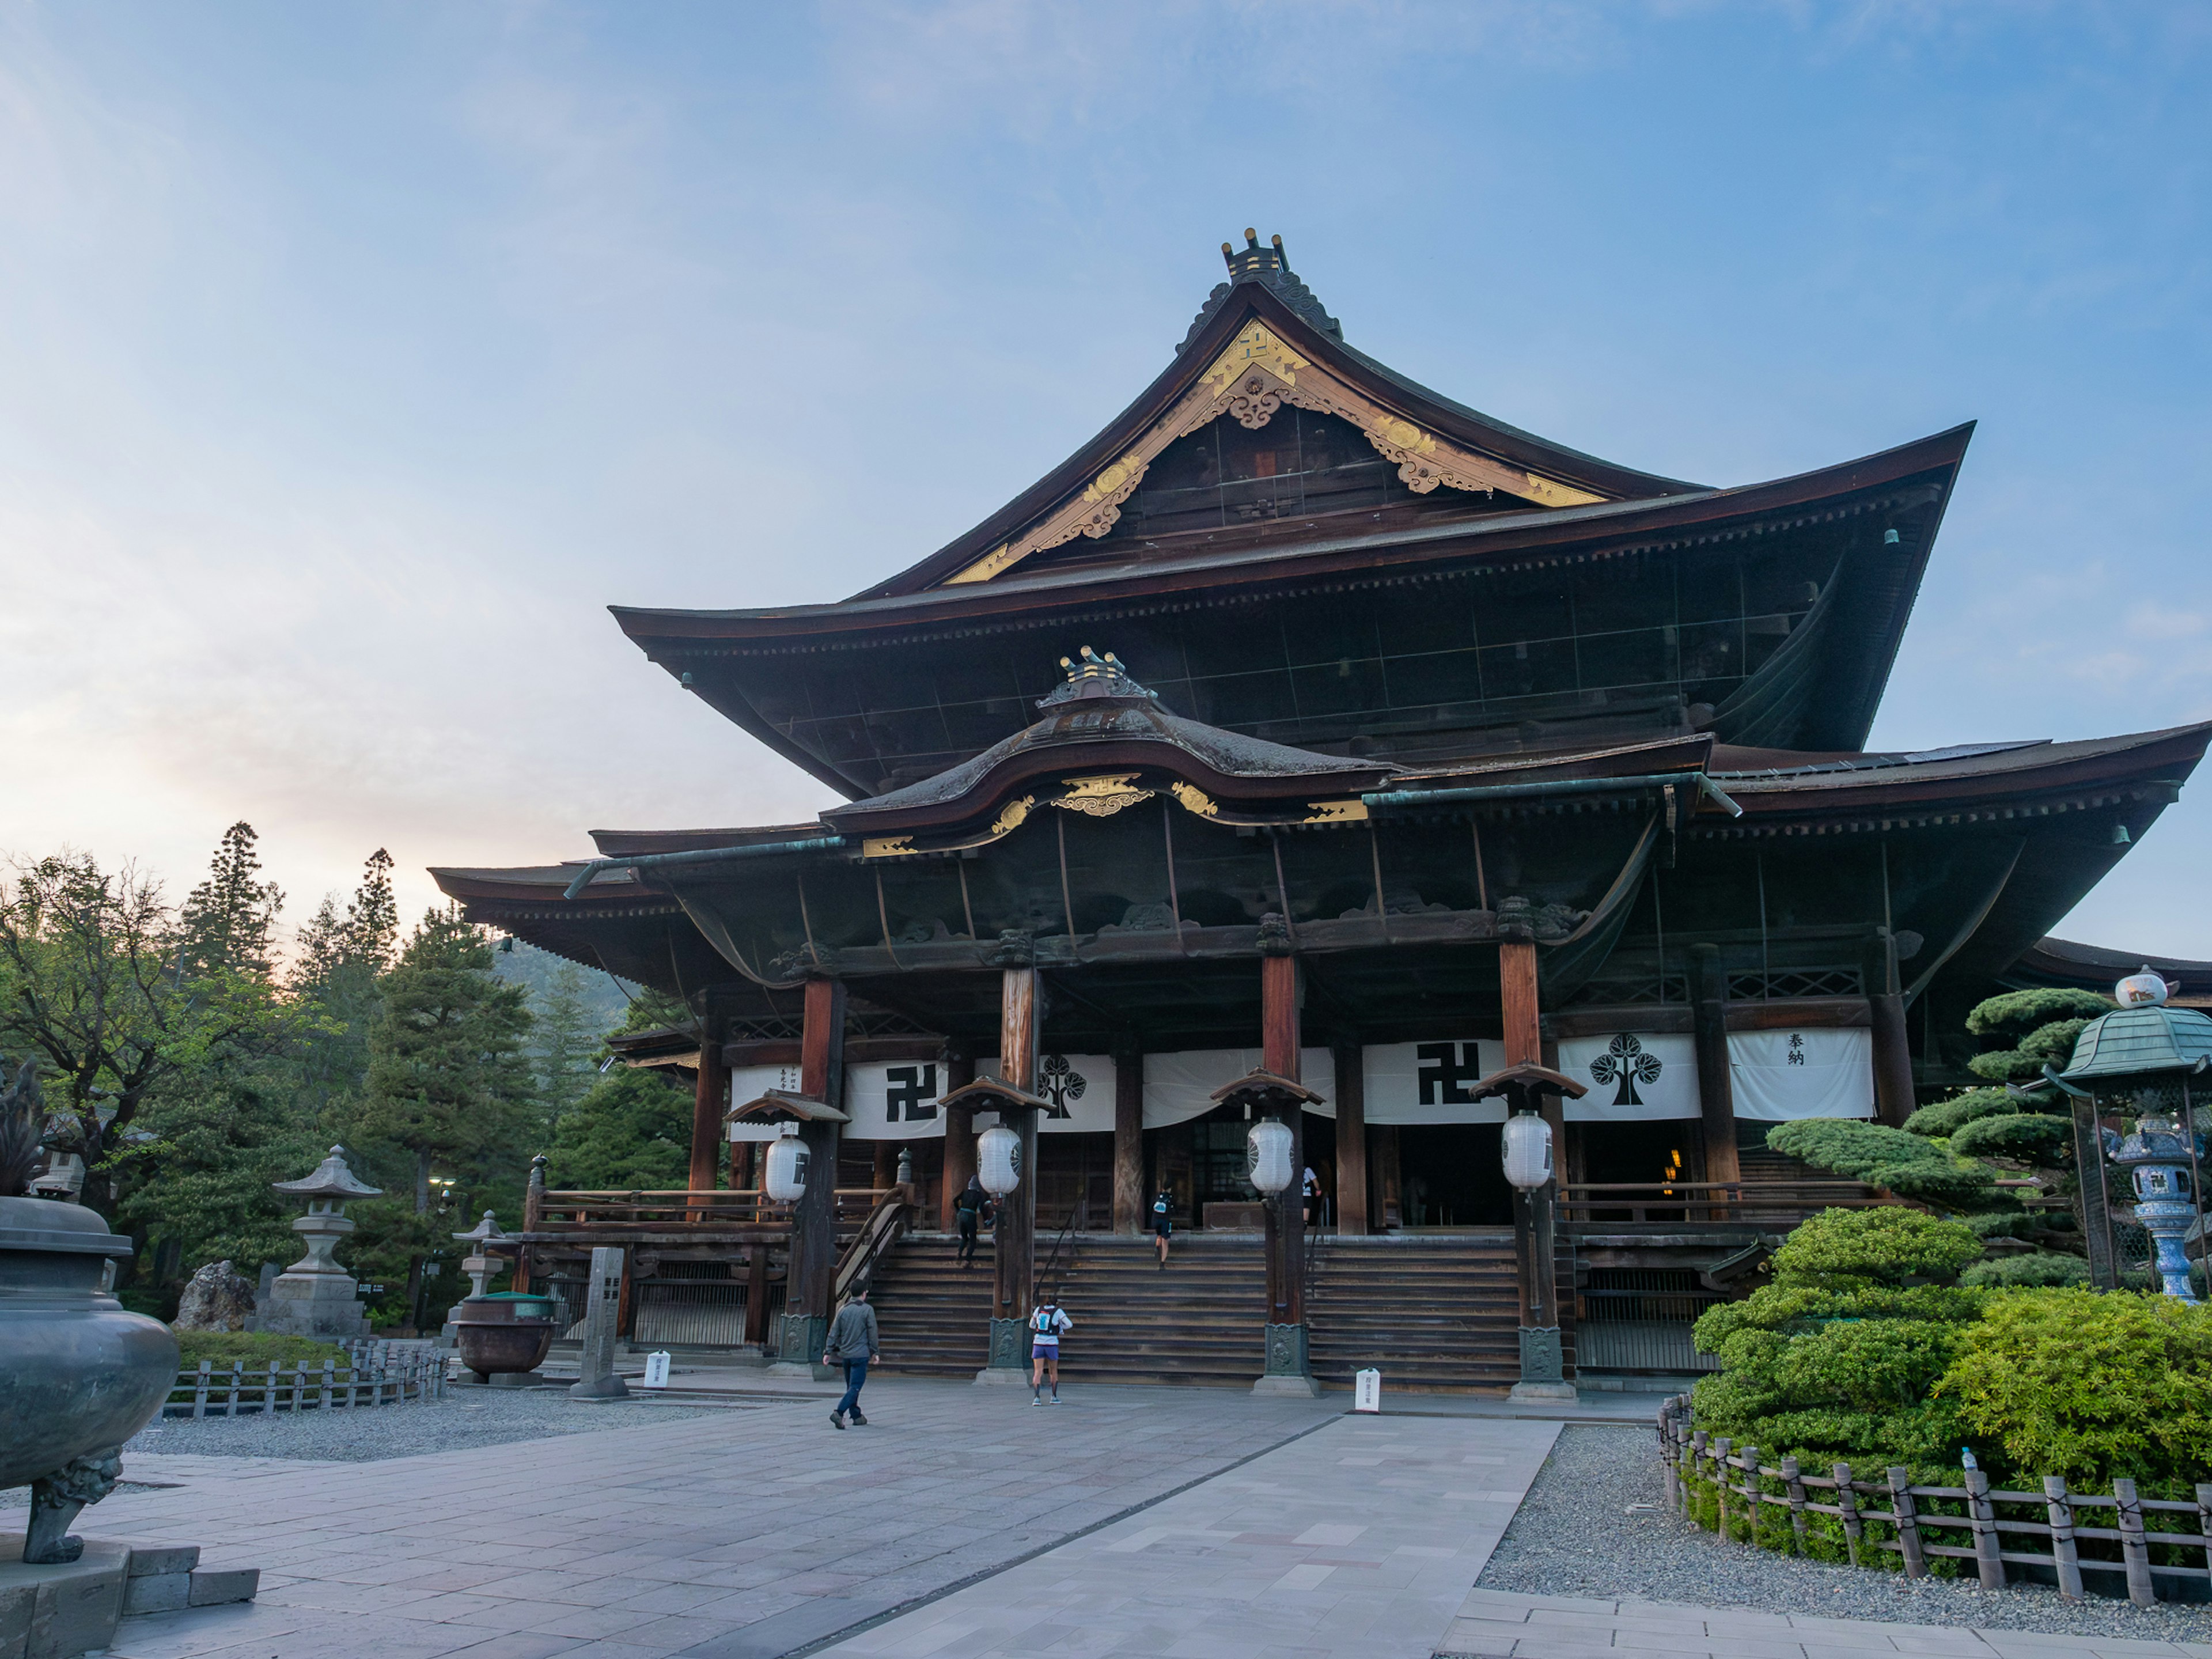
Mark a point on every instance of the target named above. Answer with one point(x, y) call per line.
point(254, 1349)
point(2028, 1010)
point(1847, 1250)
point(1907, 1163)
point(2068, 1382)
point(2015, 1224)
point(1947, 1117)
point(2044, 1269)
point(2034, 1137)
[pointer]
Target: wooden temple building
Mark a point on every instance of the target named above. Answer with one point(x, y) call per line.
point(1310, 744)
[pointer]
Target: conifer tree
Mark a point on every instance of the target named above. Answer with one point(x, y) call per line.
point(227, 919)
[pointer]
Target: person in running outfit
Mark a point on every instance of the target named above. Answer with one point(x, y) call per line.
point(1162, 1224)
point(968, 1211)
point(1047, 1320)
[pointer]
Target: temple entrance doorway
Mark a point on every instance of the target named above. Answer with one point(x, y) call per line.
point(1449, 1175)
point(1643, 1153)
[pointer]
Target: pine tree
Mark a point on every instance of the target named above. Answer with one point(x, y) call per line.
point(372, 923)
point(229, 918)
point(568, 1039)
point(337, 962)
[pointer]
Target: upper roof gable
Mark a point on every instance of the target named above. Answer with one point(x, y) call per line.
point(1260, 342)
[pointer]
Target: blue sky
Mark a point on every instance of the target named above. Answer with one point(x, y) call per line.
point(354, 357)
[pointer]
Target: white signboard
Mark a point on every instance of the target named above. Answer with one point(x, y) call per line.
point(1820, 1071)
point(1080, 1088)
point(1432, 1082)
point(887, 1100)
point(1180, 1086)
point(656, 1370)
point(1632, 1077)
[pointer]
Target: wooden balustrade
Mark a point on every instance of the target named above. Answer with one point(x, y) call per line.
point(1689, 1202)
point(611, 1216)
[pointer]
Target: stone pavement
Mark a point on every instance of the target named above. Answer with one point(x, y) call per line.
point(1358, 1539)
point(1497, 1625)
point(749, 1533)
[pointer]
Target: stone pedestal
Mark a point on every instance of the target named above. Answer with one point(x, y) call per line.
point(1009, 1361)
point(1289, 1369)
point(1541, 1366)
point(64, 1610)
point(799, 1339)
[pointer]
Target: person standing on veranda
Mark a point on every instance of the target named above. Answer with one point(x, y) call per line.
point(851, 1344)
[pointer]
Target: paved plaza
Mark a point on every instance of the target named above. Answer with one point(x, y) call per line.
point(1171, 1523)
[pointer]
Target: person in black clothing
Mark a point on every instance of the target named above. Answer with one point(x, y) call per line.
point(1161, 1226)
point(968, 1210)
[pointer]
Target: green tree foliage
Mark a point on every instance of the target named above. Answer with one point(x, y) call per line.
point(2067, 1381)
point(2041, 1026)
point(2032, 1137)
point(1944, 1118)
point(1906, 1163)
point(632, 1130)
point(228, 919)
point(2043, 1268)
point(118, 998)
point(335, 971)
point(568, 1039)
point(1839, 1358)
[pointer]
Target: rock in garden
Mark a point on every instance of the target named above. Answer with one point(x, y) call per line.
point(219, 1298)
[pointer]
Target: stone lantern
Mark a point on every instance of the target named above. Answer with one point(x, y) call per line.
point(315, 1296)
point(2149, 1059)
point(480, 1265)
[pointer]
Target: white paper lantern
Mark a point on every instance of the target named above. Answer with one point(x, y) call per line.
point(1527, 1147)
point(787, 1159)
point(1268, 1155)
point(2143, 990)
point(999, 1160)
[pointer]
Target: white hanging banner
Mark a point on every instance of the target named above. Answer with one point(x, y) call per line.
point(1632, 1077)
point(1180, 1086)
point(887, 1100)
point(1815, 1072)
point(1079, 1087)
point(1432, 1082)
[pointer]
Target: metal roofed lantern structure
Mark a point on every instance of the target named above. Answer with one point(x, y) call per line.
point(2148, 1059)
point(1306, 721)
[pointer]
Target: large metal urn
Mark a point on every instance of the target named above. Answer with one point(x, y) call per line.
point(503, 1335)
point(79, 1375)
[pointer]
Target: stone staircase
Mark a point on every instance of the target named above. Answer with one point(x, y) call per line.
point(1434, 1312)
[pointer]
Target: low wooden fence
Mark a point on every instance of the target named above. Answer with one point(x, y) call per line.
point(373, 1375)
point(1773, 1507)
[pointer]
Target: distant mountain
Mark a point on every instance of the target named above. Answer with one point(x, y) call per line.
point(533, 969)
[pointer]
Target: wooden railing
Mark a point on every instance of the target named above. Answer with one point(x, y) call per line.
point(894, 1213)
point(618, 1213)
point(1643, 1203)
point(1717, 1484)
point(211, 1390)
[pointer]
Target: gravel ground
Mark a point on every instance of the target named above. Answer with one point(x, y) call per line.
point(463, 1418)
point(1576, 1535)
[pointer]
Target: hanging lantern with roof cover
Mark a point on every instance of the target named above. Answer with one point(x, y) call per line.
point(2150, 1059)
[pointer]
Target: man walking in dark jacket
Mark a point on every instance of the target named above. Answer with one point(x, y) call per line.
point(851, 1344)
point(968, 1210)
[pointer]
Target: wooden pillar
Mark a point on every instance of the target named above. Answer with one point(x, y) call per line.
point(1280, 1049)
point(1893, 1049)
point(1389, 1187)
point(709, 1100)
point(885, 1171)
point(1128, 1138)
point(959, 1138)
point(1351, 1139)
point(1014, 1250)
point(813, 1271)
point(756, 1293)
point(742, 1178)
point(1715, 1094)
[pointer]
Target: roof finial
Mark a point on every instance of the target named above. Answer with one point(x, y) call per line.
point(1252, 259)
point(1089, 675)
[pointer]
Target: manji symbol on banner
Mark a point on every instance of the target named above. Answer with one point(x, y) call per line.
point(1443, 1072)
point(910, 1093)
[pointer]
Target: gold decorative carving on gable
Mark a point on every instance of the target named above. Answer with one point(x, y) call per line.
point(1255, 376)
point(1104, 796)
point(1194, 800)
point(886, 847)
point(1011, 815)
point(1336, 811)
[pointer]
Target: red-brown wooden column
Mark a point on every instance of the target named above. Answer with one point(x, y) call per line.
point(1892, 1049)
point(959, 1137)
point(1716, 1092)
point(1128, 1138)
point(813, 1269)
point(1534, 1232)
point(1014, 1238)
point(1288, 1368)
point(1351, 1139)
point(709, 1100)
